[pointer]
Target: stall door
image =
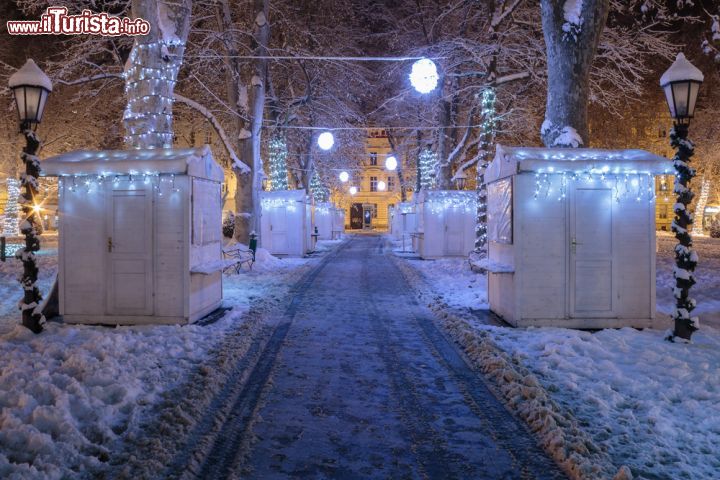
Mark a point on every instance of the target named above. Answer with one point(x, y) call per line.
point(591, 255)
point(279, 230)
point(454, 232)
point(129, 250)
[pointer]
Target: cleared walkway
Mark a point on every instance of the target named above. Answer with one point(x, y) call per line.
point(357, 382)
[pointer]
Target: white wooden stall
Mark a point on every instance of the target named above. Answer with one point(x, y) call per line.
point(323, 220)
point(140, 235)
point(445, 223)
point(403, 221)
point(572, 236)
point(338, 227)
point(285, 222)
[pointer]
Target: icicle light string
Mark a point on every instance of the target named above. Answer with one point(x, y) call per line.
point(637, 186)
point(85, 183)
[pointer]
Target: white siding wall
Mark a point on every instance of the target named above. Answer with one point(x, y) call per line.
point(541, 239)
point(170, 250)
point(634, 247)
point(84, 243)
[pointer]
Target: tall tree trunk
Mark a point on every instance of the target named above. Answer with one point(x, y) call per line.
point(400, 173)
point(571, 40)
point(444, 169)
point(249, 184)
point(151, 72)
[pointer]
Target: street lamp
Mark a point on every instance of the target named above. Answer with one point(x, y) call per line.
point(424, 75)
point(391, 163)
point(326, 140)
point(31, 88)
point(460, 180)
point(681, 83)
point(381, 186)
point(353, 190)
point(344, 176)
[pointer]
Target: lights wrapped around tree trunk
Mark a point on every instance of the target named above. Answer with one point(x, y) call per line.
point(277, 154)
point(428, 169)
point(150, 76)
point(487, 138)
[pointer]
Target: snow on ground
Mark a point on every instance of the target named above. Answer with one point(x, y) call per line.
point(68, 394)
point(655, 406)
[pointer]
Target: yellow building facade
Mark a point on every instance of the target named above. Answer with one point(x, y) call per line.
point(378, 189)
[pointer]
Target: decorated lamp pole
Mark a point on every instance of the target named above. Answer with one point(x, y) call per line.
point(31, 88)
point(681, 83)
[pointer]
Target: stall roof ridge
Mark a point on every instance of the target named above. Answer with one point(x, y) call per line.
point(197, 161)
point(578, 154)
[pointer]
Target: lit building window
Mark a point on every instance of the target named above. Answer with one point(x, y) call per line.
point(373, 184)
point(373, 159)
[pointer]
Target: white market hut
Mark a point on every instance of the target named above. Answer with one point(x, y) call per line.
point(285, 222)
point(571, 236)
point(324, 219)
point(403, 220)
point(139, 235)
point(338, 227)
point(445, 223)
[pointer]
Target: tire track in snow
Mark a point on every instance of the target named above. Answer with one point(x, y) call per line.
point(214, 449)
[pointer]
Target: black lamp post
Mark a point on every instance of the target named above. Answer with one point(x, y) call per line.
point(681, 83)
point(31, 88)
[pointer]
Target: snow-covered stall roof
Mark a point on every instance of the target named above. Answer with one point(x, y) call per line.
point(196, 162)
point(513, 160)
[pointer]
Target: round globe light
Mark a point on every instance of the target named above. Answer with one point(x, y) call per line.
point(344, 176)
point(326, 140)
point(381, 186)
point(424, 75)
point(353, 190)
point(391, 162)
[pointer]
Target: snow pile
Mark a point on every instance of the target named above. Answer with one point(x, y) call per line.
point(652, 404)
point(681, 69)
point(454, 283)
point(572, 12)
point(568, 137)
point(73, 394)
point(67, 394)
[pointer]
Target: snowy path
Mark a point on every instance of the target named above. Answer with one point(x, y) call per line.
point(357, 382)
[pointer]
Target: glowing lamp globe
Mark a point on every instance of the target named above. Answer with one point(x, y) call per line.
point(391, 163)
point(344, 176)
point(353, 190)
point(30, 87)
point(326, 140)
point(681, 83)
point(424, 75)
point(381, 186)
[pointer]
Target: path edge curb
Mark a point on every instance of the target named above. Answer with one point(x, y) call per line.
point(557, 430)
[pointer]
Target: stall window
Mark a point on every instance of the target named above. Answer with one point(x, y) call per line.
point(499, 211)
